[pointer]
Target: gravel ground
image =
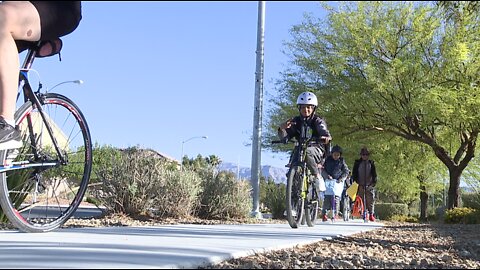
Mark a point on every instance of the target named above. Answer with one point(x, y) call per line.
point(395, 246)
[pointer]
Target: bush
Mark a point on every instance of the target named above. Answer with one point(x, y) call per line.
point(385, 211)
point(127, 183)
point(178, 195)
point(225, 197)
point(273, 197)
point(403, 218)
point(471, 200)
point(463, 215)
point(136, 181)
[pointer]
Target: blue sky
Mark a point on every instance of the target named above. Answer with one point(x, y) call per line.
point(159, 73)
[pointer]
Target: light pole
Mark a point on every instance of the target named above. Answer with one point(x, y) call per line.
point(181, 157)
point(257, 114)
point(75, 81)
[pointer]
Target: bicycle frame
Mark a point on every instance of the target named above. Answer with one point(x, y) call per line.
point(298, 158)
point(34, 97)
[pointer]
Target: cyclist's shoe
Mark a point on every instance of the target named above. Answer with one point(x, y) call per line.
point(371, 217)
point(10, 137)
point(324, 218)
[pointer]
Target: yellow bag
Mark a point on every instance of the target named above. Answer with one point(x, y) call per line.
point(352, 190)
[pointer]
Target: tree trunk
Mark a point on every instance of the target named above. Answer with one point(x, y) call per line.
point(453, 190)
point(423, 202)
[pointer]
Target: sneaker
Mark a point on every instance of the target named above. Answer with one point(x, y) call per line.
point(10, 137)
point(324, 218)
point(371, 217)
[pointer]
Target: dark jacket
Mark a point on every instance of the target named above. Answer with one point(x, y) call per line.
point(337, 169)
point(373, 173)
point(315, 123)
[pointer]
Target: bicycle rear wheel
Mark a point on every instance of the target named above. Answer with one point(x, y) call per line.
point(346, 208)
point(43, 191)
point(295, 202)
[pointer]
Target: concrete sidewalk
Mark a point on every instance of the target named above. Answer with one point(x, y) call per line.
point(169, 246)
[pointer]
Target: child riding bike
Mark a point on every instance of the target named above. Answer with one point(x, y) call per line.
point(307, 103)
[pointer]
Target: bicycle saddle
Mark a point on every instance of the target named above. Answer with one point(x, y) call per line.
point(43, 48)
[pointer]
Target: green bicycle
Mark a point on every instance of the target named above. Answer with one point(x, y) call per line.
point(302, 202)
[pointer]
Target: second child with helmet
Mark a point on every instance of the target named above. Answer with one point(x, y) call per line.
point(307, 103)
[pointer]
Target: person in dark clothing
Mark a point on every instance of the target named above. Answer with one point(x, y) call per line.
point(365, 174)
point(335, 172)
point(22, 22)
point(307, 103)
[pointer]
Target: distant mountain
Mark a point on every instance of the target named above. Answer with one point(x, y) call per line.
point(277, 174)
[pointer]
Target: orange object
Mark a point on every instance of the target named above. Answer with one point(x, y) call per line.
point(357, 207)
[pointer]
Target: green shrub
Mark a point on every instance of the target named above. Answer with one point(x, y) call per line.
point(403, 218)
point(462, 215)
point(178, 196)
point(471, 200)
point(225, 197)
point(273, 197)
point(385, 211)
point(131, 179)
point(126, 183)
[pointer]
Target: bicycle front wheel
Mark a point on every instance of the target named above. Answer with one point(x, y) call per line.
point(295, 202)
point(311, 206)
point(46, 188)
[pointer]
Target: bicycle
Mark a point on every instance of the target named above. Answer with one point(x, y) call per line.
point(301, 195)
point(360, 206)
point(347, 198)
point(43, 183)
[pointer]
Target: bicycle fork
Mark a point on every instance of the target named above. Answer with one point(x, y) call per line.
point(35, 99)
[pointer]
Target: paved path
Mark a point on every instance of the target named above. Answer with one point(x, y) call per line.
point(169, 246)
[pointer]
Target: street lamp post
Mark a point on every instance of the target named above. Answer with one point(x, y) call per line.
point(181, 157)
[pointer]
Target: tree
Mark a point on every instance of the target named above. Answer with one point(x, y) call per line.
point(392, 68)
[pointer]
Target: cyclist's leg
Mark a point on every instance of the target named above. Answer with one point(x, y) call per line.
point(313, 158)
point(18, 21)
point(370, 194)
point(327, 205)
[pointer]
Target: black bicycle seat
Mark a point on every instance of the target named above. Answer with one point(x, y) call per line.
point(43, 48)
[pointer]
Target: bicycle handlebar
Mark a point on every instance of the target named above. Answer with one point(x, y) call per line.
point(324, 140)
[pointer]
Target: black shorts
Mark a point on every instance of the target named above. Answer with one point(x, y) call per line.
point(58, 18)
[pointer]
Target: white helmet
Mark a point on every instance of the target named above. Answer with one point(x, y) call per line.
point(307, 98)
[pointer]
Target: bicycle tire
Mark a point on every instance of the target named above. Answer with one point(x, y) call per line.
point(311, 213)
point(346, 208)
point(294, 200)
point(311, 206)
point(42, 199)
